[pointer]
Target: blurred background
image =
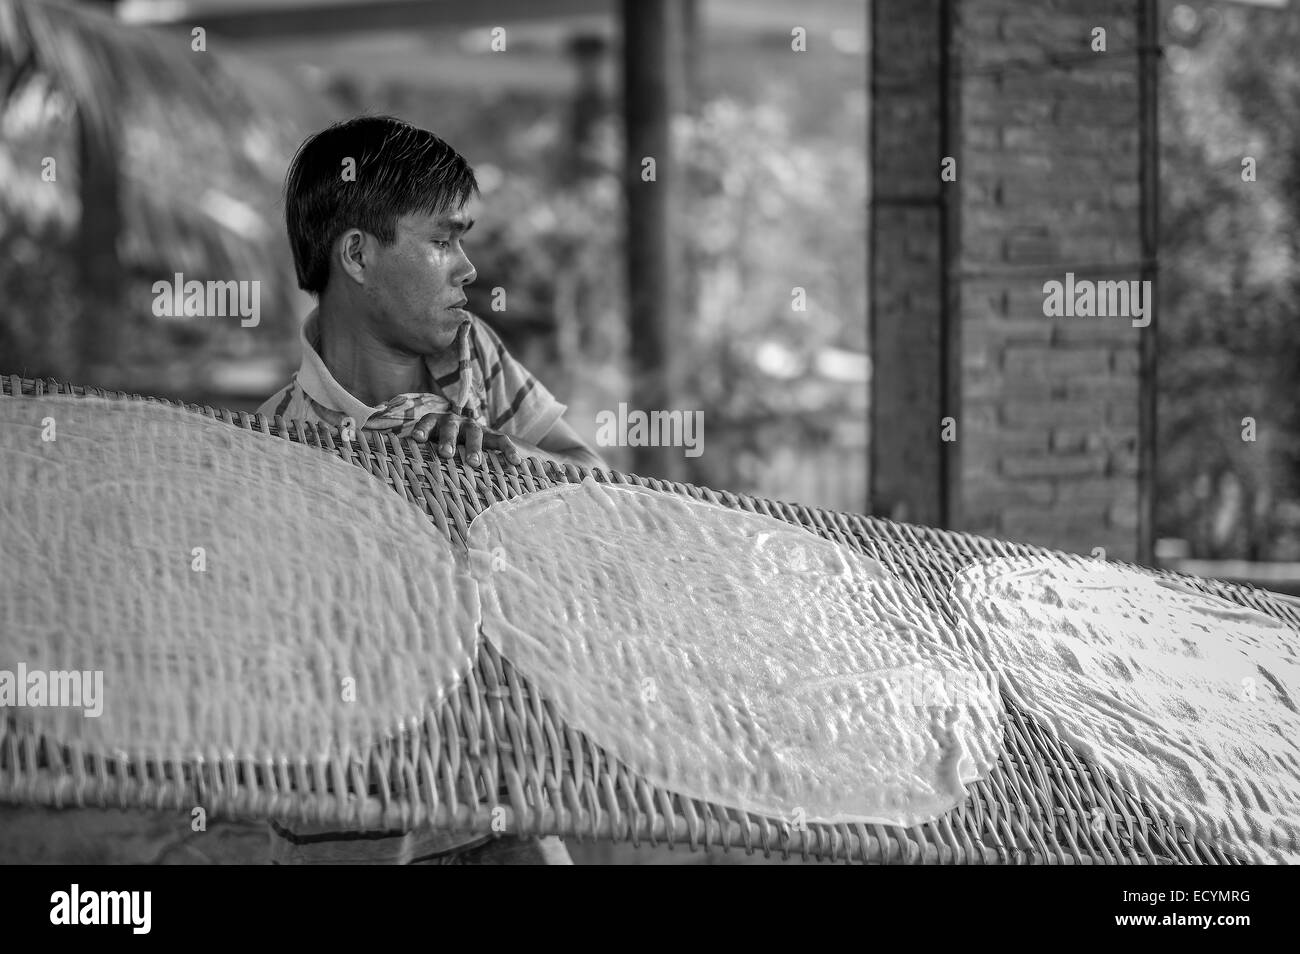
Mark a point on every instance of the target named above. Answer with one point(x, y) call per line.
point(172, 160)
point(170, 125)
point(798, 235)
point(141, 138)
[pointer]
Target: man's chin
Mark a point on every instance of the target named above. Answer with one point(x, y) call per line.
point(442, 335)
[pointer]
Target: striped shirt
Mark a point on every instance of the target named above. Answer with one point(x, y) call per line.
point(502, 394)
point(505, 397)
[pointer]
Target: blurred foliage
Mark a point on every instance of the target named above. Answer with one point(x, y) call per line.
point(199, 143)
point(770, 210)
point(1229, 343)
point(765, 209)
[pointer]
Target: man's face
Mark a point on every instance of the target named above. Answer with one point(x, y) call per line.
point(416, 284)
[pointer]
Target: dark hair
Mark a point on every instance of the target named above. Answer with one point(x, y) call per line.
point(400, 169)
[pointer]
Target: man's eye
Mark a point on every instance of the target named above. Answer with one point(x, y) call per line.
point(441, 244)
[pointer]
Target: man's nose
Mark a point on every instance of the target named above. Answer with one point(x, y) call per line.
point(468, 274)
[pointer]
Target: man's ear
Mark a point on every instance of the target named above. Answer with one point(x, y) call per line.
point(351, 254)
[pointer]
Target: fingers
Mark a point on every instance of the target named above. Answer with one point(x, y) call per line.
point(472, 435)
point(425, 427)
point(499, 442)
point(448, 430)
point(449, 434)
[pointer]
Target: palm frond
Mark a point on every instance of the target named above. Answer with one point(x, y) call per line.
point(185, 129)
point(102, 64)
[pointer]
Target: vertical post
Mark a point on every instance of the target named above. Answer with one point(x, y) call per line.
point(99, 271)
point(949, 280)
point(651, 269)
point(685, 194)
point(587, 51)
point(691, 38)
point(907, 280)
point(1149, 183)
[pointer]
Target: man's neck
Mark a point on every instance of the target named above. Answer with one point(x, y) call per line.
point(370, 370)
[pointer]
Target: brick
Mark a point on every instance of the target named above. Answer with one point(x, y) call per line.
point(984, 165)
point(1020, 188)
point(1025, 297)
point(1117, 77)
point(1055, 465)
point(980, 136)
point(979, 467)
point(1109, 139)
point(1087, 248)
point(989, 52)
point(1080, 175)
point(1102, 390)
point(1126, 360)
point(1111, 333)
point(985, 221)
point(1124, 465)
point(1123, 459)
point(1007, 391)
point(1081, 523)
point(983, 299)
point(1054, 33)
point(1027, 441)
point(981, 353)
point(1098, 111)
point(983, 101)
point(1100, 490)
point(1031, 250)
point(1014, 414)
point(1026, 137)
point(1076, 439)
point(981, 435)
point(1054, 364)
point(1101, 381)
point(1015, 332)
point(993, 386)
point(984, 492)
point(1123, 415)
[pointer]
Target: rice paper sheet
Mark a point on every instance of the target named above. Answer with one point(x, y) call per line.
point(734, 657)
point(242, 596)
point(1185, 698)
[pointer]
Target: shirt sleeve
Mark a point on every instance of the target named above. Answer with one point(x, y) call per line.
point(518, 404)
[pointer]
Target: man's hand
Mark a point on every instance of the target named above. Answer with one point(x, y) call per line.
point(451, 429)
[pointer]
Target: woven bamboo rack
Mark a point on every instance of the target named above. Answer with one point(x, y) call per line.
point(497, 751)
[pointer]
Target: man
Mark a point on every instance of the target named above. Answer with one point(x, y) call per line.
point(377, 211)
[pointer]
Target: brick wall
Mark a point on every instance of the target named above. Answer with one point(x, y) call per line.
point(1045, 132)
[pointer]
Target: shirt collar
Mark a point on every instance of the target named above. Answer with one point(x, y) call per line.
point(315, 378)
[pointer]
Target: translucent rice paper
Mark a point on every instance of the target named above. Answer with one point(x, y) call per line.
point(734, 657)
point(1187, 699)
point(242, 595)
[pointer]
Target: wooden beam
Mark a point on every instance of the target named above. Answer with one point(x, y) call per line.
point(913, 359)
point(1148, 27)
point(651, 267)
point(100, 288)
point(314, 20)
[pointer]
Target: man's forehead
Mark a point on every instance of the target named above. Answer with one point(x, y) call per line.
point(463, 217)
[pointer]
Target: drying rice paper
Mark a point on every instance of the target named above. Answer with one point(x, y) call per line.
point(242, 596)
point(734, 657)
point(1187, 699)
